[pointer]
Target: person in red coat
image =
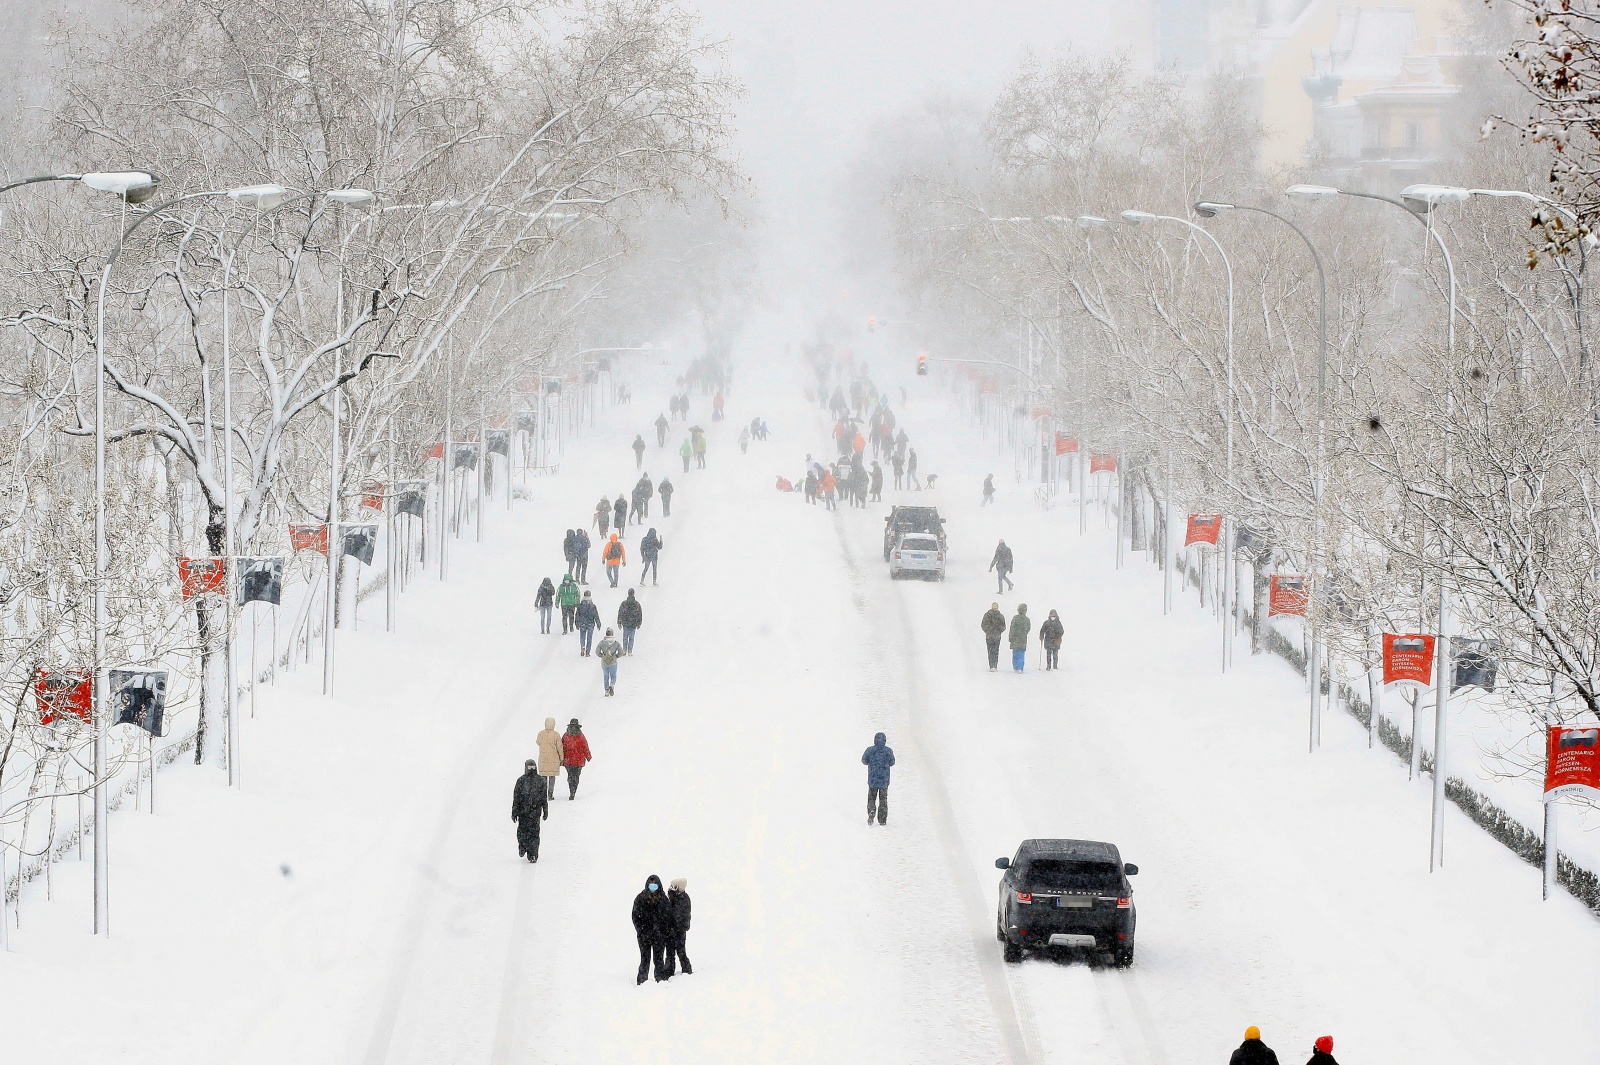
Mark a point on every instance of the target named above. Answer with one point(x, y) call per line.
point(574, 755)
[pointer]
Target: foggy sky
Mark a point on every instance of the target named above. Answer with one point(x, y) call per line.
point(817, 73)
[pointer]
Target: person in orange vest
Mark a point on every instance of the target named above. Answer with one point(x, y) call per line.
point(615, 556)
point(830, 485)
point(859, 443)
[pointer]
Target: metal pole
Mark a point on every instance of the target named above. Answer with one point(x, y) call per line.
point(98, 707)
point(334, 546)
point(1551, 856)
point(1167, 553)
point(483, 464)
point(230, 702)
point(447, 460)
point(389, 575)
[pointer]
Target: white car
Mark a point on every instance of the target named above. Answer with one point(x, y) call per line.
point(917, 555)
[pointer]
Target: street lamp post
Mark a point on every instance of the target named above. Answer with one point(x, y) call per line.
point(1418, 201)
point(1210, 209)
point(1229, 591)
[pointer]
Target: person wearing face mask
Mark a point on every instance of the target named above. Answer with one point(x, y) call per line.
point(530, 804)
point(1050, 634)
point(652, 926)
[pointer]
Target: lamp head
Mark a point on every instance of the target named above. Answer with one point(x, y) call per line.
point(1089, 221)
point(1134, 218)
point(1423, 198)
point(133, 186)
point(1310, 192)
point(261, 197)
point(351, 197)
point(1211, 208)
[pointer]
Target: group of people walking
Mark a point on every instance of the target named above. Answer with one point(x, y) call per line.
point(1254, 1052)
point(534, 790)
point(661, 925)
point(1015, 632)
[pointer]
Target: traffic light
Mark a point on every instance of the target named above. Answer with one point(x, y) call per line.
point(922, 364)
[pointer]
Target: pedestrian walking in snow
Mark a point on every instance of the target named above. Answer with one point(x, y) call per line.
point(1050, 634)
point(686, 452)
point(665, 490)
point(568, 596)
point(829, 486)
point(630, 617)
point(652, 926)
point(545, 600)
point(744, 441)
point(619, 513)
point(609, 650)
point(876, 485)
point(1003, 563)
point(642, 491)
point(678, 897)
point(650, 551)
point(878, 758)
point(661, 427)
point(602, 516)
point(994, 627)
point(549, 756)
point(530, 804)
point(1321, 1050)
point(580, 555)
point(638, 452)
point(615, 557)
point(899, 464)
point(569, 550)
point(587, 618)
point(716, 407)
point(1020, 627)
point(811, 487)
point(988, 490)
point(1253, 1051)
point(698, 441)
point(574, 755)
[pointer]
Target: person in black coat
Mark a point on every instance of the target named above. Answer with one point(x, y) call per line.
point(1003, 563)
point(630, 618)
point(569, 550)
point(638, 451)
point(545, 600)
point(1050, 634)
point(678, 898)
point(1321, 1050)
point(580, 556)
point(994, 627)
point(1253, 1051)
point(664, 490)
point(620, 509)
point(652, 926)
point(588, 619)
point(530, 804)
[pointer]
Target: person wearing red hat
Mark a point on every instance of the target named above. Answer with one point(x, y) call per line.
point(1253, 1051)
point(1322, 1051)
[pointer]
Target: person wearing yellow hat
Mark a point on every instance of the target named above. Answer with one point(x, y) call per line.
point(1253, 1051)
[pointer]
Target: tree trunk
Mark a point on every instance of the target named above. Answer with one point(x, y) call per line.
point(211, 627)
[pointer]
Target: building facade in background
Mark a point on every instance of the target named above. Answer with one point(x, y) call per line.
point(1362, 93)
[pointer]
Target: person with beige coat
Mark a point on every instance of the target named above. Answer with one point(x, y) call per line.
point(550, 756)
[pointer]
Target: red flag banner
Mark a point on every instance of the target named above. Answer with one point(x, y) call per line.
point(1286, 595)
point(63, 692)
point(201, 576)
point(309, 538)
point(1407, 660)
point(1041, 412)
point(1572, 762)
point(1203, 529)
point(372, 495)
point(1100, 463)
point(1066, 445)
point(434, 452)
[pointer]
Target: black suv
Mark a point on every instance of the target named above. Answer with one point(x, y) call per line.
point(902, 520)
point(1066, 893)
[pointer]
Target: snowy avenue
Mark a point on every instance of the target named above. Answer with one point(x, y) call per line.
point(814, 532)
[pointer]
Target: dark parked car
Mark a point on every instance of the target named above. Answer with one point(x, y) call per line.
point(902, 520)
point(1066, 893)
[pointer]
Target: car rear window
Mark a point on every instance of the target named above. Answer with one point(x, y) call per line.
point(1060, 874)
point(912, 544)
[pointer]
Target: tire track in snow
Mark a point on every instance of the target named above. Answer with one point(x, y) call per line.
point(1015, 1025)
point(462, 772)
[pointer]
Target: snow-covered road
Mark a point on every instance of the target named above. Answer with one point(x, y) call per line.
point(361, 900)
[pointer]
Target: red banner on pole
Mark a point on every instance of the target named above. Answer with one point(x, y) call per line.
point(1286, 595)
point(434, 452)
point(1040, 412)
point(1203, 529)
point(63, 692)
point(1407, 660)
point(1572, 762)
point(1101, 463)
point(309, 538)
point(1066, 445)
point(201, 576)
point(372, 495)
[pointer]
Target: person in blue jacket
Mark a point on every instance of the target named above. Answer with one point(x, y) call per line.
point(878, 758)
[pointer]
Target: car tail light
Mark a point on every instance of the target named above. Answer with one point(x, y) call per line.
point(897, 554)
point(1024, 896)
point(1124, 903)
